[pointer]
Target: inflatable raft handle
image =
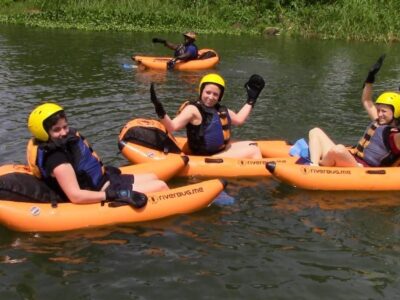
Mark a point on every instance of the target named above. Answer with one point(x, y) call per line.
point(209, 160)
point(376, 172)
point(270, 166)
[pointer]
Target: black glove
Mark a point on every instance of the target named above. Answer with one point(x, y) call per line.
point(157, 40)
point(126, 196)
point(160, 111)
point(254, 86)
point(375, 69)
point(171, 64)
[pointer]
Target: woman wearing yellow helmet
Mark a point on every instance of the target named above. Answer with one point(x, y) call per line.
point(380, 144)
point(208, 122)
point(182, 52)
point(61, 157)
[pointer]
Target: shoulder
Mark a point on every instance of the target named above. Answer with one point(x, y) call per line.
point(191, 48)
point(54, 159)
point(191, 107)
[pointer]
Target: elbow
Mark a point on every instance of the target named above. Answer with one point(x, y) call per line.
point(169, 127)
point(76, 198)
point(240, 122)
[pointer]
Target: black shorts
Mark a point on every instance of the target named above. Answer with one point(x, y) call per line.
point(117, 180)
point(121, 181)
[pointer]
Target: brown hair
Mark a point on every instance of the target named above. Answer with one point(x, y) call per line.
point(53, 119)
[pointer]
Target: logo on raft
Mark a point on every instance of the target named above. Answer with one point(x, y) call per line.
point(150, 154)
point(307, 171)
point(252, 162)
point(35, 211)
point(256, 162)
point(190, 192)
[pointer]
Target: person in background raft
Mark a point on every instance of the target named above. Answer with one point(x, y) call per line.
point(380, 144)
point(183, 52)
point(61, 157)
point(208, 122)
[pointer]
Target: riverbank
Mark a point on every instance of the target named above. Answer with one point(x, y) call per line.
point(365, 20)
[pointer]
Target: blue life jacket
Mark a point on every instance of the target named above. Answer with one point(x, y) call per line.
point(213, 134)
point(87, 165)
point(374, 146)
point(191, 48)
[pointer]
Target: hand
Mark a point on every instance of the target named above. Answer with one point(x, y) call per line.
point(254, 86)
point(160, 111)
point(375, 69)
point(126, 196)
point(157, 40)
point(171, 64)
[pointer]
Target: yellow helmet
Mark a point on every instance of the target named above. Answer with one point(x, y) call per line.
point(390, 98)
point(38, 116)
point(215, 79)
point(191, 35)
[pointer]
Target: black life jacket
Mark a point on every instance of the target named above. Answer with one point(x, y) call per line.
point(213, 134)
point(182, 48)
point(87, 165)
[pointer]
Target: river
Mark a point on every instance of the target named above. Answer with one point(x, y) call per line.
point(273, 242)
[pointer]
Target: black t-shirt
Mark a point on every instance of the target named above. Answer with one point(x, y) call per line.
point(55, 159)
point(59, 157)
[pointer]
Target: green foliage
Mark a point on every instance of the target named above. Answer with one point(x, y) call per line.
point(4, 3)
point(341, 19)
point(351, 20)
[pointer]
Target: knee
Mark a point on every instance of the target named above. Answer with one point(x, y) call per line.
point(255, 151)
point(161, 185)
point(316, 131)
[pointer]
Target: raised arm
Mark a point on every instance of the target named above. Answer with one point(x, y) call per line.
point(367, 102)
point(189, 114)
point(366, 98)
point(165, 43)
point(253, 87)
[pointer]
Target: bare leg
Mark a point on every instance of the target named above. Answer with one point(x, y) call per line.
point(319, 144)
point(338, 156)
point(242, 149)
point(147, 183)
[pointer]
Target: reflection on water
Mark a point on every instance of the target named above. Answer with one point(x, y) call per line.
point(274, 241)
point(299, 199)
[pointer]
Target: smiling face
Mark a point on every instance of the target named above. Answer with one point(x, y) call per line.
point(385, 114)
point(210, 94)
point(59, 130)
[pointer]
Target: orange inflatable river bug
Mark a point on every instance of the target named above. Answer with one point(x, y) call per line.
point(208, 59)
point(43, 217)
point(337, 178)
point(144, 140)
